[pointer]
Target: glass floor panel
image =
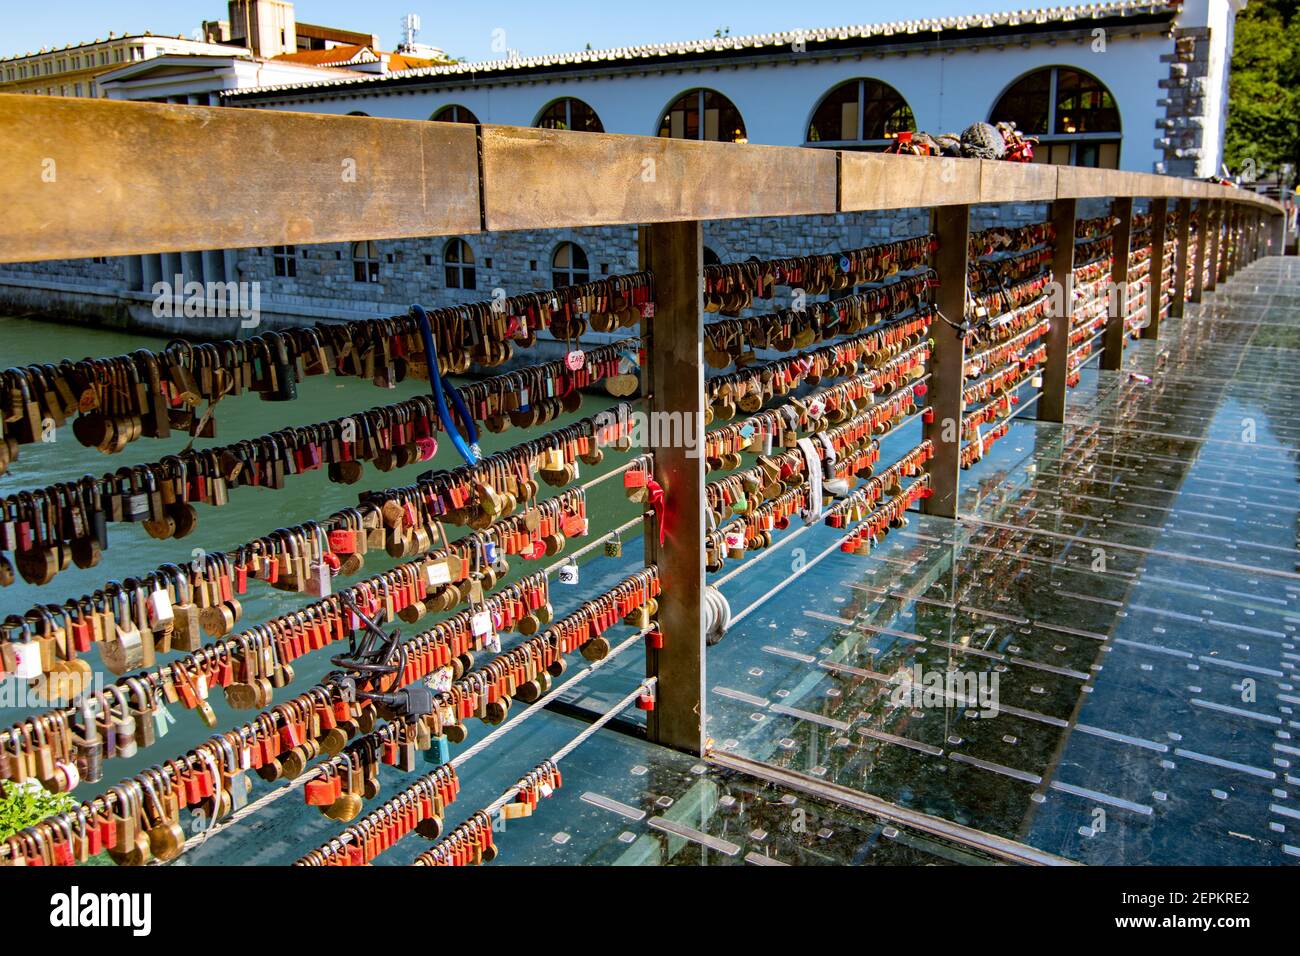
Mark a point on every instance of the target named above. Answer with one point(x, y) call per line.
point(1119, 600)
point(624, 802)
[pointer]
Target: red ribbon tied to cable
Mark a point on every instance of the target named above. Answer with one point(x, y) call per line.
point(659, 502)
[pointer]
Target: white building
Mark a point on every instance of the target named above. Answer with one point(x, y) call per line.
point(1135, 83)
point(201, 79)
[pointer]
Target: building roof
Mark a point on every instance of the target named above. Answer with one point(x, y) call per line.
point(349, 54)
point(193, 62)
point(146, 35)
point(661, 54)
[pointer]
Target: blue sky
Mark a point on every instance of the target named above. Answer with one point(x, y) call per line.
point(466, 29)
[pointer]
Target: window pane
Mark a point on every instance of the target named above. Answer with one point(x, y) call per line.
point(570, 114)
point(454, 114)
point(721, 122)
point(884, 113)
point(1083, 105)
point(554, 116)
point(848, 120)
point(458, 251)
point(1026, 104)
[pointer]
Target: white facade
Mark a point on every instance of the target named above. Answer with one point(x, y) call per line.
point(946, 90)
point(198, 80)
point(950, 79)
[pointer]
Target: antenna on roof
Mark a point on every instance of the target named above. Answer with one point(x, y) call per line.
point(410, 27)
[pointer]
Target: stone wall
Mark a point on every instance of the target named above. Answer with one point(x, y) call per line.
point(413, 270)
point(1182, 129)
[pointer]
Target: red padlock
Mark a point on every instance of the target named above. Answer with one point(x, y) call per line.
point(645, 701)
point(343, 541)
point(654, 639)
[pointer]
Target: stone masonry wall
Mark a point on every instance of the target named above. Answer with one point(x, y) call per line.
point(413, 270)
point(1181, 132)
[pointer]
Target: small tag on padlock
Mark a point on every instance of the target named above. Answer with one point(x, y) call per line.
point(162, 720)
point(160, 606)
point(440, 680)
point(27, 660)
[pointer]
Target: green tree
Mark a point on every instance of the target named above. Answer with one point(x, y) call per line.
point(1264, 87)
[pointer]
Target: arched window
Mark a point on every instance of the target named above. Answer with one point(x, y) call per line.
point(860, 114)
point(569, 265)
point(358, 113)
point(1071, 112)
point(365, 261)
point(458, 258)
point(570, 113)
point(711, 258)
point(454, 113)
point(703, 114)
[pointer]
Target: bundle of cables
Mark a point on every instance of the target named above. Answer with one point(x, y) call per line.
point(445, 396)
